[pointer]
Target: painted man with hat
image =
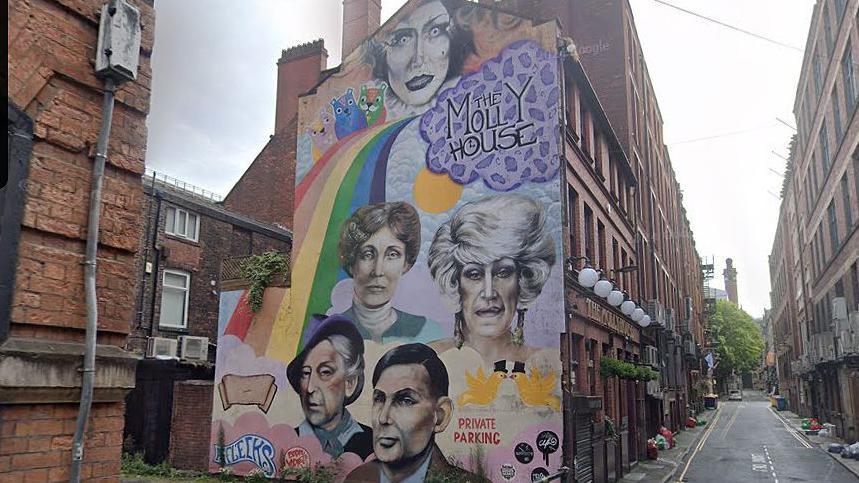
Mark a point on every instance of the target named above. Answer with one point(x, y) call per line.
point(328, 375)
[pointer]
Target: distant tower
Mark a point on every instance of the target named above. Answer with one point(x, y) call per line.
point(730, 274)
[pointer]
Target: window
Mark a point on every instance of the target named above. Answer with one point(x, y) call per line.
point(573, 222)
point(848, 79)
point(856, 170)
point(182, 223)
point(836, 115)
point(589, 234)
point(827, 27)
point(839, 9)
point(603, 247)
point(174, 299)
point(833, 226)
point(824, 150)
point(818, 75)
point(855, 269)
point(845, 193)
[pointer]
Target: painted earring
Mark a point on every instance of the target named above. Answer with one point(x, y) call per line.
point(519, 331)
point(457, 330)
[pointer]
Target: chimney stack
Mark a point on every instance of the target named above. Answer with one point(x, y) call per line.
point(730, 274)
point(298, 71)
point(360, 19)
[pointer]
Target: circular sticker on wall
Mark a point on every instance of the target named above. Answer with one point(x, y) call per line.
point(297, 457)
point(524, 453)
point(539, 473)
point(547, 443)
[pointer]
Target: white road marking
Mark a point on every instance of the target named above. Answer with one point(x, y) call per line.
point(770, 462)
point(793, 432)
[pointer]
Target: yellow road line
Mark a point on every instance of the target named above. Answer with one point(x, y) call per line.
point(701, 443)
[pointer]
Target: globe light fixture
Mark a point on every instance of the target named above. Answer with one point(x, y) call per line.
point(588, 277)
point(627, 307)
point(645, 321)
point(615, 298)
point(637, 314)
point(603, 288)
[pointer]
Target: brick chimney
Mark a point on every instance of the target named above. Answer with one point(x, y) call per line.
point(297, 72)
point(360, 19)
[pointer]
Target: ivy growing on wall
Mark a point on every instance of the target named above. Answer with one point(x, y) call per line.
point(259, 271)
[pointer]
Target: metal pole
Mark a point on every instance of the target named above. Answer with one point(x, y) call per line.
point(90, 280)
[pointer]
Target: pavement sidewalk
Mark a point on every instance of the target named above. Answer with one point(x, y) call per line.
point(670, 460)
point(794, 421)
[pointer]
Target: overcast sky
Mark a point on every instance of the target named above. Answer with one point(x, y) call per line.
point(213, 101)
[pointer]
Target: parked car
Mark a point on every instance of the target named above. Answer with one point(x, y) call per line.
point(735, 395)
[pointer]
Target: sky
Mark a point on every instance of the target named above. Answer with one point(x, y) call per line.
point(720, 93)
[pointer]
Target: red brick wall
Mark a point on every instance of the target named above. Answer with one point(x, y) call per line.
point(36, 442)
point(190, 426)
point(51, 78)
point(266, 191)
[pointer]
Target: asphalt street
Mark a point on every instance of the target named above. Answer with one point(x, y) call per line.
point(748, 443)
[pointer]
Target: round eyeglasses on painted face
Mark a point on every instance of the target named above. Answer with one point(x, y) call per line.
point(404, 38)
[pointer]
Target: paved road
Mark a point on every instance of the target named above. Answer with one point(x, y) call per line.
point(748, 443)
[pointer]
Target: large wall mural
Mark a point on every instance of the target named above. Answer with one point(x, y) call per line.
point(421, 331)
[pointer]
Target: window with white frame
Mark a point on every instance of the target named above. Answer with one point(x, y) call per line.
point(174, 299)
point(182, 223)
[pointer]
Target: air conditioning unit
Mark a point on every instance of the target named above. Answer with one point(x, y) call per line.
point(650, 356)
point(161, 348)
point(194, 348)
point(656, 311)
point(670, 320)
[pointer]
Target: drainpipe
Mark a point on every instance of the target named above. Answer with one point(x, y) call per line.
point(117, 57)
point(90, 279)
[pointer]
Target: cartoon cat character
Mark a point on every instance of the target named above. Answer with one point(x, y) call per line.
point(321, 133)
point(372, 102)
point(348, 118)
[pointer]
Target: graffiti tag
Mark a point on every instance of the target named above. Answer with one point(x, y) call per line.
point(252, 448)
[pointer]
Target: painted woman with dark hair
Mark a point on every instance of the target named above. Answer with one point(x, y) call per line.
point(422, 53)
point(379, 244)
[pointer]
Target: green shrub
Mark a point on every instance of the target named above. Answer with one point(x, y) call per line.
point(134, 465)
point(319, 473)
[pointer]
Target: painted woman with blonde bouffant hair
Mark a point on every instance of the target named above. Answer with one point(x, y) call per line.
point(490, 261)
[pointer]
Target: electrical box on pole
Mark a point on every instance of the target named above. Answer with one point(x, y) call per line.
point(118, 48)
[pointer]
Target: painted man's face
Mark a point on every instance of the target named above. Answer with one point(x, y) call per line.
point(324, 386)
point(489, 293)
point(405, 414)
point(418, 53)
point(380, 263)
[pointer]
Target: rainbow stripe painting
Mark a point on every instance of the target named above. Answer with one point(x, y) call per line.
point(350, 174)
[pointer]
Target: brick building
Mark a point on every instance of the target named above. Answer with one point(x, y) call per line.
point(54, 115)
point(623, 209)
point(817, 227)
point(669, 278)
point(600, 221)
point(187, 234)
